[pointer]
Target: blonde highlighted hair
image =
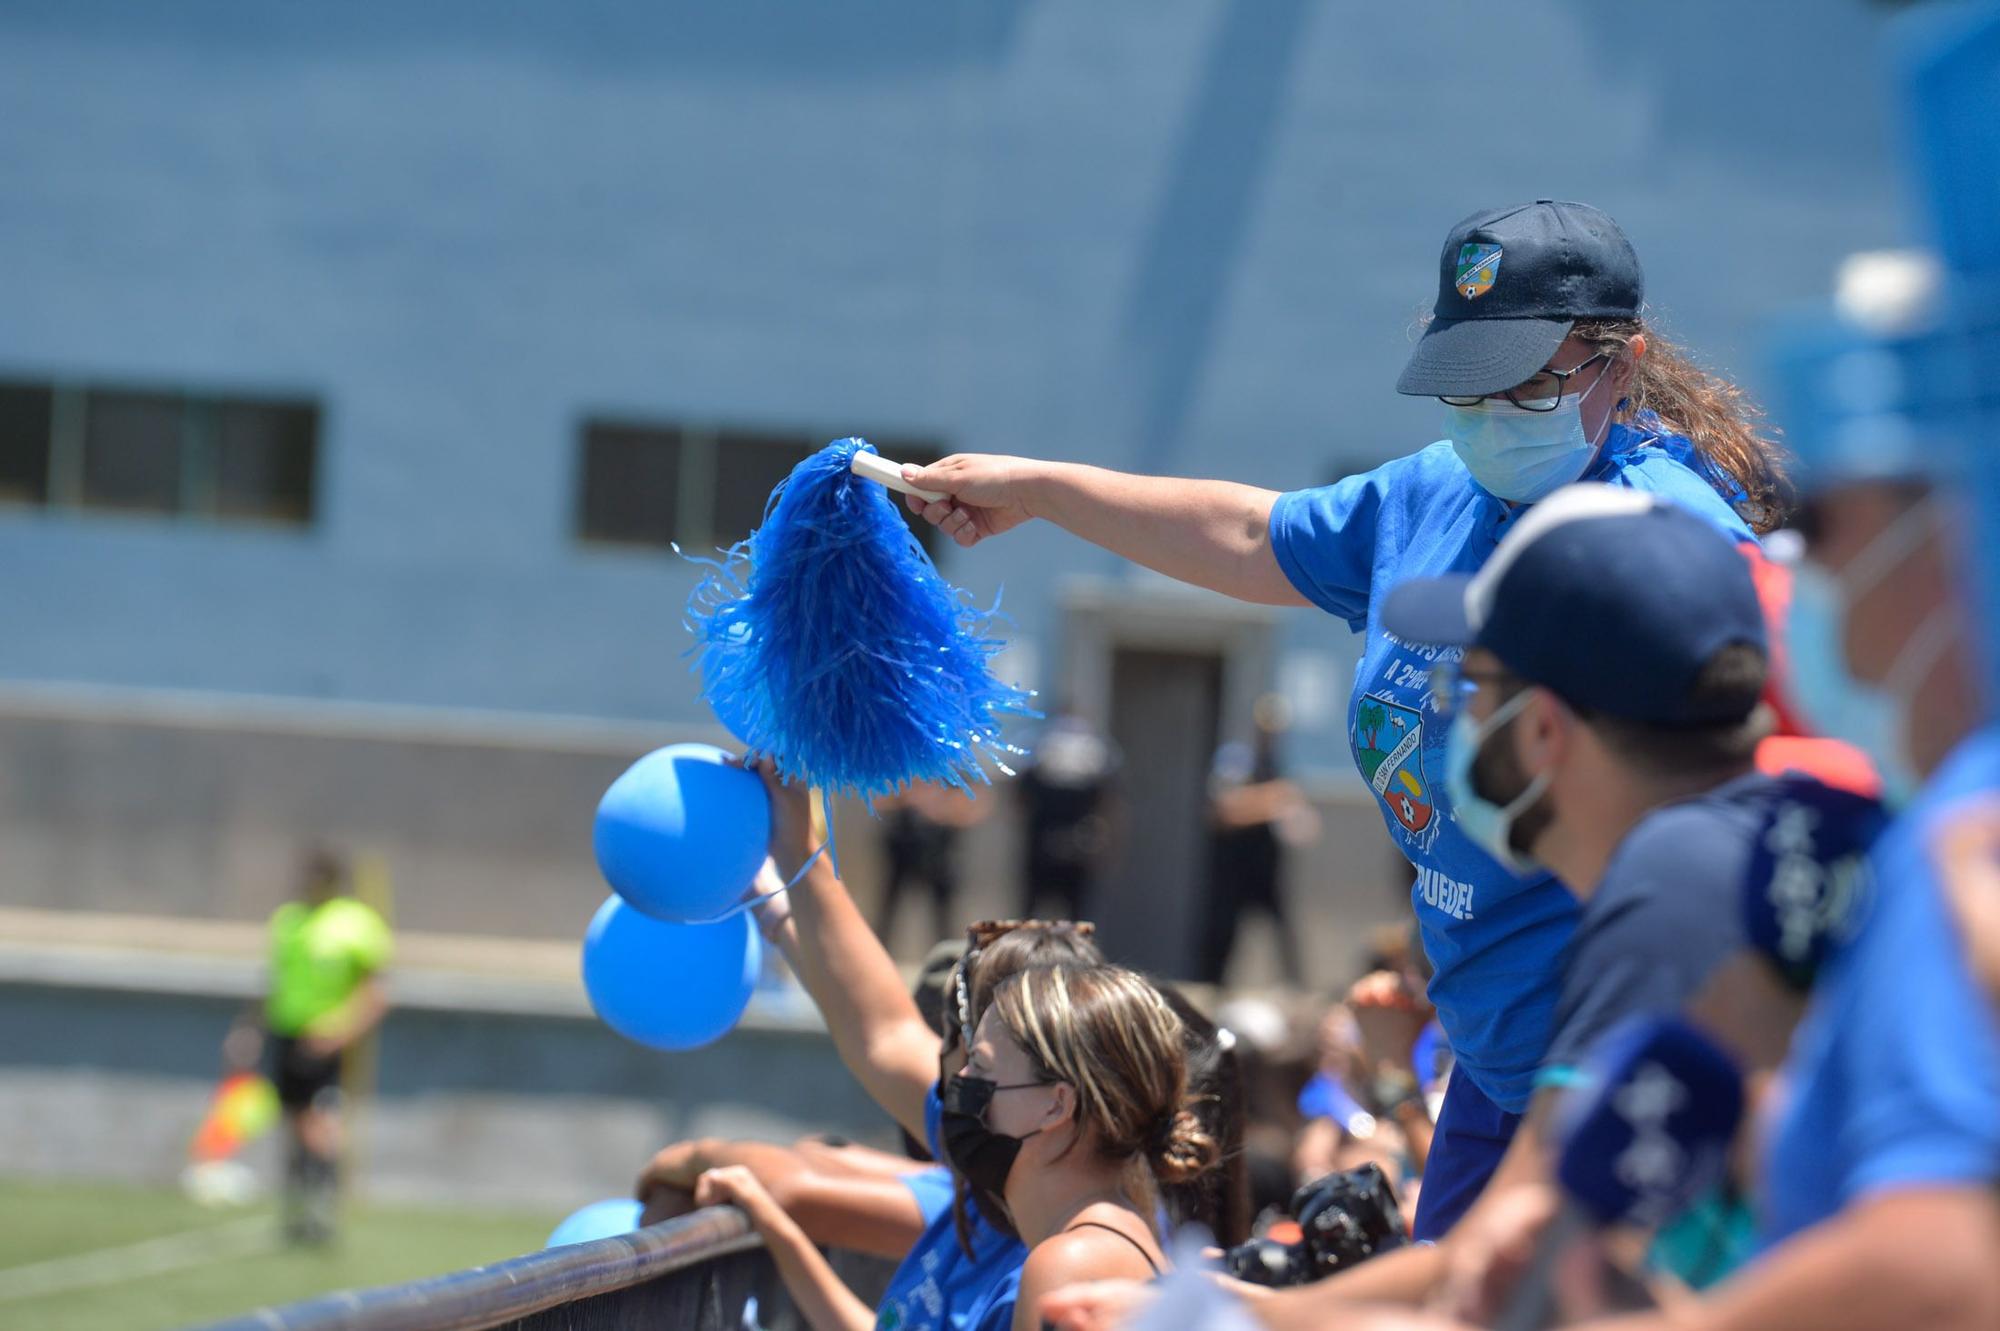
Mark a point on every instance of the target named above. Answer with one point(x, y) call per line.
point(1109, 1034)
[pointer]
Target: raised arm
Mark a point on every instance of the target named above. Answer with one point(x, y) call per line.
point(874, 1022)
point(1213, 534)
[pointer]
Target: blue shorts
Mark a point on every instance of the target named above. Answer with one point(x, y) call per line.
point(1472, 1134)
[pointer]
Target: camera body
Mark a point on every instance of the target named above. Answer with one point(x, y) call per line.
point(1347, 1218)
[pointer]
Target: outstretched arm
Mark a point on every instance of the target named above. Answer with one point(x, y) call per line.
point(1213, 534)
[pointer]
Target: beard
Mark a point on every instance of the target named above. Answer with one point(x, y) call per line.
point(1497, 776)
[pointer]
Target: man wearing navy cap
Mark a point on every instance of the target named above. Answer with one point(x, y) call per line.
point(1604, 718)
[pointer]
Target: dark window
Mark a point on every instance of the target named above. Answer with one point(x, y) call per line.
point(652, 485)
point(26, 413)
point(631, 484)
point(197, 455)
point(747, 468)
point(132, 447)
point(264, 460)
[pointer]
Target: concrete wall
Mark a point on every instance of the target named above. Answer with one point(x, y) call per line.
point(195, 808)
point(516, 1108)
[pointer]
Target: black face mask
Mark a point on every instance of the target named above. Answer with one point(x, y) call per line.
point(983, 1157)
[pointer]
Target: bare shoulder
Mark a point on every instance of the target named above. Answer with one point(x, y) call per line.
point(1078, 1255)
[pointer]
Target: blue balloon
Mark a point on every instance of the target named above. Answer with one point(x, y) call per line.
point(681, 834)
point(599, 1220)
point(665, 985)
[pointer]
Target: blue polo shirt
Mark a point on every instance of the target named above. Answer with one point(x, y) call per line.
point(1894, 1076)
point(1494, 939)
point(937, 1288)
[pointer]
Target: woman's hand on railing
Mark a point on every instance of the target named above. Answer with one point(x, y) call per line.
point(735, 1185)
point(824, 1302)
point(666, 1186)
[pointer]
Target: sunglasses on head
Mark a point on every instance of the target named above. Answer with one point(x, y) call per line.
point(979, 937)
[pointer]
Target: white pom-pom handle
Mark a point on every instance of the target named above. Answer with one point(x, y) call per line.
point(875, 467)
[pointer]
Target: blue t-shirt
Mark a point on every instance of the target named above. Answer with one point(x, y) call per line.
point(937, 1288)
point(1494, 939)
point(1894, 1076)
point(932, 1190)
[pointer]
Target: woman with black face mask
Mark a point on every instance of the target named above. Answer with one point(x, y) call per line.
point(960, 1275)
point(1073, 1110)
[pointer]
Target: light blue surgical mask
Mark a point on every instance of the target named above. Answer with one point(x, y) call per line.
point(1518, 454)
point(1830, 699)
point(1873, 718)
point(1487, 823)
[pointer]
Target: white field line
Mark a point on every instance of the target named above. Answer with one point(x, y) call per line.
point(132, 1261)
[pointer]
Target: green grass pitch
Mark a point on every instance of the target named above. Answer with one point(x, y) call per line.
point(43, 1221)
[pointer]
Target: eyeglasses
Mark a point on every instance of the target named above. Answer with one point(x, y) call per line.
point(1544, 392)
point(979, 937)
point(1452, 685)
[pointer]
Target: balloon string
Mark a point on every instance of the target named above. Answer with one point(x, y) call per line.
point(826, 848)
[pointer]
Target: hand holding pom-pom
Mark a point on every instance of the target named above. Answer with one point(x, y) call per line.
point(831, 645)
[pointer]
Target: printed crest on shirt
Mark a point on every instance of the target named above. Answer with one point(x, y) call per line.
point(1389, 745)
point(1478, 266)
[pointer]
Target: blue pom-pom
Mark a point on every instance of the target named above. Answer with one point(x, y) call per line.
point(830, 643)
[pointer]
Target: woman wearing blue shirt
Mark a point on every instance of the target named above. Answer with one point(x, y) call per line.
point(1113, 1085)
point(1549, 375)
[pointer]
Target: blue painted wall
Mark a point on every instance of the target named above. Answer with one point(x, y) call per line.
point(1179, 235)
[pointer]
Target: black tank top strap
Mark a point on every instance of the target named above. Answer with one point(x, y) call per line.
point(1110, 1229)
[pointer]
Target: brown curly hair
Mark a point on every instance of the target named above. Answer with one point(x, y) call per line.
point(1727, 430)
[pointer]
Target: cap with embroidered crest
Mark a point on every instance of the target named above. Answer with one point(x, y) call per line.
point(1512, 282)
point(1615, 599)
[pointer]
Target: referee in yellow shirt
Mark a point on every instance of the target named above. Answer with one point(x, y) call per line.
point(327, 951)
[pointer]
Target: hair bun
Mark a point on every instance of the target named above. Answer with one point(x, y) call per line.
point(1182, 1149)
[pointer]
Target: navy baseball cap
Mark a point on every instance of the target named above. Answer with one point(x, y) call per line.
point(1614, 599)
point(1512, 282)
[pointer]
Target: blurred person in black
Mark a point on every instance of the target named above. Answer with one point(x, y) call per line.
point(1253, 813)
point(922, 827)
point(1067, 793)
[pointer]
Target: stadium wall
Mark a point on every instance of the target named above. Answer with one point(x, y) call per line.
point(1174, 235)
